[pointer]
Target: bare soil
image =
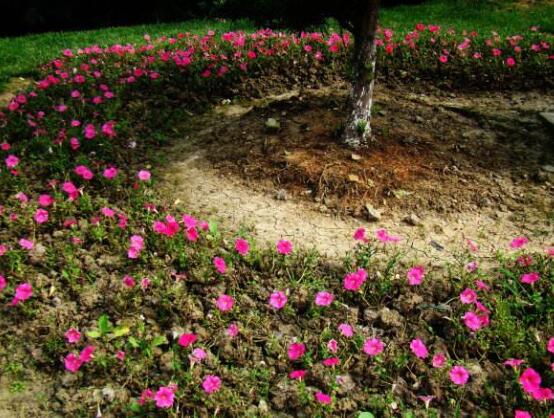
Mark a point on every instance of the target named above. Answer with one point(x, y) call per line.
point(467, 165)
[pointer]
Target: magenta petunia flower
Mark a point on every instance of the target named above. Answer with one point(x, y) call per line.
point(373, 347)
point(164, 397)
point(72, 363)
point(322, 398)
point(468, 296)
point(144, 175)
point(530, 278)
point(459, 375)
point(211, 384)
point(186, 340)
point(278, 299)
point(296, 351)
point(241, 246)
point(284, 247)
point(519, 242)
point(346, 330)
point(415, 275)
point(72, 335)
point(297, 374)
point(225, 303)
point(439, 360)
point(324, 298)
point(419, 349)
point(220, 265)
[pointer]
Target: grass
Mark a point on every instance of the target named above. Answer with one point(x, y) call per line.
point(20, 56)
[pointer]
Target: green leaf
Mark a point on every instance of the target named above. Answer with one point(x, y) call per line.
point(94, 334)
point(120, 331)
point(135, 406)
point(366, 415)
point(134, 342)
point(104, 324)
point(158, 340)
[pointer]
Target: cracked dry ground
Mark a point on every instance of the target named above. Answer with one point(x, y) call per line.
point(468, 165)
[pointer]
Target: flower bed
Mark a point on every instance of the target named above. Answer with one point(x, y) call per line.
point(135, 308)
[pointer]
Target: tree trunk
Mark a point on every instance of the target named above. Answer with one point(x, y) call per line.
point(358, 125)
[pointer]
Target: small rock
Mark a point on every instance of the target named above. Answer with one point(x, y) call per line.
point(373, 215)
point(356, 157)
point(382, 112)
point(412, 219)
point(272, 124)
point(436, 245)
point(353, 178)
point(281, 194)
point(419, 119)
point(548, 116)
point(548, 168)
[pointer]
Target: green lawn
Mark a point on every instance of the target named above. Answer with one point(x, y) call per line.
point(20, 56)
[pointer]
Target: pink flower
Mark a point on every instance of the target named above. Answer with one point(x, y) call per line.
point(186, 340)
point(224, 303)
point(189, 221)
point(220, 265)
point(468, 296)
point(144, 175)
point(146, 395)
point(120, 355)
point(331, 361)
point(11, 161)
point(71, 190)
point(72, 335)
point(530, 278)
point(241, 246)
point(510, 62)
point(145, 283)
point(513, 362)
point(192, 234)
point(472, 321)
point(550, 345)
point(472, 266)
point(353, 281)
point(359, 234)
point(211, 384)
point(438, 360)
point(373, 347)
point(333, 346)
point(522, 414)
point(519, 242)
point(110, 173)
point(419, 349)
point(72, 363)
point(443, 59)
point(22, 292)
point(346, 330)
point(164, 397)
point(296, 351)
point(324, 298)
point(322, 398)
point(297, 374)
point(26, 244)
point(284, 247)
point(86, 353)
point(3, 283)
point(41, 216)
point(542, 394)
point(473, 247)
point(459, 375)
point(481, 285)
point(128, 281)
point(415, 275)
point(45, 200)
point(197, 355)
point(84, 172)
point(530, 380)
point(383, 236)
point(233, 330)
point(278, 299)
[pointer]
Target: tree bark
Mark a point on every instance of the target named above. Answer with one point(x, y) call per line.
point(358, 125)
